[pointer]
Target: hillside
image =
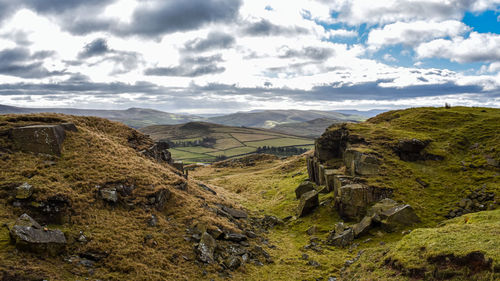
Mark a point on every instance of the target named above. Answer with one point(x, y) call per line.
point(133, 117)
point(313, 128)
point(99, 206)
point(271, 118)
point(225, 141)
point(455, 174)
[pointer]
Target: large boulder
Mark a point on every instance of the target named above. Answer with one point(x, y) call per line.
point(359, 163)
point(392, 215)
point(308, 202)
point(362, 227)
point(303, 187)
point(341, 239)
point(206, 248)
point(46, 139)
point(331, 144)
point(28, 235)
point(330, 178)
point(410, 149)
point(354, 199)
point(338, 182)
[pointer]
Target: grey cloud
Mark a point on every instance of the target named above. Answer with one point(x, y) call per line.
point(314, 53)
point(97, 47)
point(190, 67)
point(214, 40)
point(58, 6)
point(267, 28)
point(20, 63)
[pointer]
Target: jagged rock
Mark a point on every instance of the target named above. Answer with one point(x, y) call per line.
point(109, 194)
point(340, 227)
point(270, 221)
point(308, 202)
point(237, 214)
point(233, 262)
point(45, 139)
point(330, 178)
point(303, 187)
point(24, 191)
point(28, 235)
point(331, 144)
point(206, 248)
point(410, 150)
point(53, 210)
point(362, 227)
point(159, 198)
point(321, 174)
point(159, 152)
point(393, 215)
point(342, 239)
point(338, 182)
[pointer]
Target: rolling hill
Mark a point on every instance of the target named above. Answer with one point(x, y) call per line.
point(226, 141)
point(313, 128)
point(270, 118)
point(133, 117)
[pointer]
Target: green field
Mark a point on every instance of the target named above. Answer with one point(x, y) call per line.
point(230, 141)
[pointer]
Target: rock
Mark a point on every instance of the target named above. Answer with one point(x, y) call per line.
point(206, 248)
point(340, 227)
point(46, 139)
point(362, 227)
point(233, 262)
point(69, 127)
point(308, 202)
point(422, 183)
point(215, 232)
point(331, 144)
point(410, 150)
point(159, 152)
point(393, 215)
point(24, 191)
point(330, 178)
point(339, 181)
point(159, 198)
point(153, 221)
point(237, 214)
point(205, 187)
point(354, 199)
point(342, 239)
point(235, 237)
point(313, 263)
point(303, 187)
point(321, 174)
point(359, 163)
point(109, 194)
point(28, 235)
point(179, 165)
point(53, 210)
point(270, 221)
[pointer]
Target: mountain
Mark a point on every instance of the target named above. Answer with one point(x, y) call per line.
point(208, 142)
point(313, 128)
point(133, 117)
point(271, 118)
point(365, 113)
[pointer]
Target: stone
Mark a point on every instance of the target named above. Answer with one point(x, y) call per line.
point(237, 214)
point(159, 152)
point(69, 127)
point(206, 248)
point(109, 194)
point(359, 163)
point(159, 198)
point(46, 139)
point(308, 202)
point(24, 191)
point(331, 144)
point(354, 200)
point(410, 150)
point(321, 174)
point(340, 227)
point(233, 262)
point(235, 237)
point(153, 220)
point(303, 187)
point(28, 235)
point(312, 230)
point(179, 165)
point(330, 178)
point(342, 239)
point(401, 215)
point(362, 227)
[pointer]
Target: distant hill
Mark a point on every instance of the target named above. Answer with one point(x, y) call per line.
point(313, 128)
point(367, 113)
point(204, 142)
point(133, 117)
point(271, 118)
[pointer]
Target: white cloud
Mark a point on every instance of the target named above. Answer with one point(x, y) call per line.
point(342, 33)
point(413, 33)
point(478, 47)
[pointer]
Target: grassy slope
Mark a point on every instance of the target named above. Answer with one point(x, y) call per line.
point(269, 188)
point(99, 153)
point(231, 141)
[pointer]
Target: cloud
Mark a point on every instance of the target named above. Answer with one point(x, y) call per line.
point(19, 62)
point(97, 47)
point(190, 67)
point(266, 28)
point(357, 12)
point(413, 33)
point(167, 16)
point(215, 40)
point(478, 47)
point(342, 33)
point(313, 53)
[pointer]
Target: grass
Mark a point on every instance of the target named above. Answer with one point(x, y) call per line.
point(230, 141)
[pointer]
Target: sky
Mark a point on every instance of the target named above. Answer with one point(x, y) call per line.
point(222, 56)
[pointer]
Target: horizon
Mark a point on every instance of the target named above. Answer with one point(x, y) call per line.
point(226, 56)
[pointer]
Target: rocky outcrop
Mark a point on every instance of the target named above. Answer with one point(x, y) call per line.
point(303, 187)
point(46, 139)
point(354, 200)
point(159, 152)
point(53, 210)
point(359, 163)
point(477, 200)
point(392, 215)
point(410, 149)
point(308, 202)
point(29, 235)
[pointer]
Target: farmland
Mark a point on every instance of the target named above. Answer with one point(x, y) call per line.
point(187, 140)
